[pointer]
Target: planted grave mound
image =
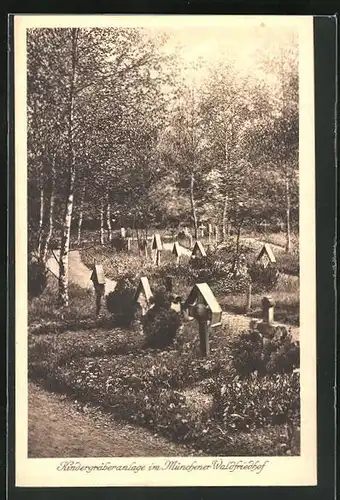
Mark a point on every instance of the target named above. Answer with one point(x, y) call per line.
point(154, 388)
point(251, 352)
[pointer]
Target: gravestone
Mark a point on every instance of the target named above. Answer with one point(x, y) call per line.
point(266, 255)
point(198, 250)
point(267, 326)
point(268, 310)
point(122, 232)
point(143, 295)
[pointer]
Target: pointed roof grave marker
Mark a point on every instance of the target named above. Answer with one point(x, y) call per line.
point(266, 255)
point(143, 294)
point(201, 293)
point(198, 250)
point(98, 276)
point(176, 249)
point(157, 242)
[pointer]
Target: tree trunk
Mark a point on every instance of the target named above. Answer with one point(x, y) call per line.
point(225, 219)
point(65, 243)
point(50, 212)
point(101, 223)
point(193, 205)
point(108, 220)
point(288, 235)
point(65, 240)
point(237, 255)
point(41, 219)
point(81, 214)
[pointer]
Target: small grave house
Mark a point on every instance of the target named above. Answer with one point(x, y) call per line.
point(143, 294)
point(202, 294)
point(266, 255)
point(98, 276)
point(176, 249)
point(198, 250)
point(157, 242)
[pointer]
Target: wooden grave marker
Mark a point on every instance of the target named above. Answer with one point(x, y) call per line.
point(198, 250)
point(266, 255)
point(157, 246)
point(176, 251)
point(143, 295)
point(98, 280)
point(202, 305)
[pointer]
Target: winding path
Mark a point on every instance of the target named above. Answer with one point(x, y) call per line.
point(79, 274)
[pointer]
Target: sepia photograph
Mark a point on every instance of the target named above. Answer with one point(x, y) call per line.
point(161, 213)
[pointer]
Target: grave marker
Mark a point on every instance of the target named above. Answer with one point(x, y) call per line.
point(210, 231)
point(266, 255)
point(98, 280)
point(268, 310)
point(143, 295)
point(198, 250)
point(122, 232)
point(158, 247)
point(201, 293)
point(202, 229)
point(176, 251)
point(202, 305)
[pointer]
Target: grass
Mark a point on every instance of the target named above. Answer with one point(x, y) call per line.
point(45, 315)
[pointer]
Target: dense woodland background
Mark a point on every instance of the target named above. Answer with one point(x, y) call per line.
point(118, 135)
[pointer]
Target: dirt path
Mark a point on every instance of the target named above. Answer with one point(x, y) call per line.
point(78, 272)
point(60, 427)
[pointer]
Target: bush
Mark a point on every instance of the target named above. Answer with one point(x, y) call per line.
point(218, 271)
point(37, 278)
point(288, 263)
point(263, 279)
point(160, 326)
point(252, 353)
point(119, 243)
point(120, 303)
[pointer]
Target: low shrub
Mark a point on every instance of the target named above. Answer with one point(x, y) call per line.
point(119, 243)
point(120, 303)
point(253, 353)
point(288, 263)
point(264, 279)
point(161, 324)
point(37, 278)
point(246, 404)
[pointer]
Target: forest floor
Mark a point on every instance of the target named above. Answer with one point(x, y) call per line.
point(60, 427)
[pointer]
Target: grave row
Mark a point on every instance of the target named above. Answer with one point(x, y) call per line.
point(201, 304)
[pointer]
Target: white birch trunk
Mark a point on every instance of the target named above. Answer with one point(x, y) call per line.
point(81, 214)
point(101, 223)
point(41, 220)
point(65, 241)
point(288, 233)
point(108, 221)
point(50, 212)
